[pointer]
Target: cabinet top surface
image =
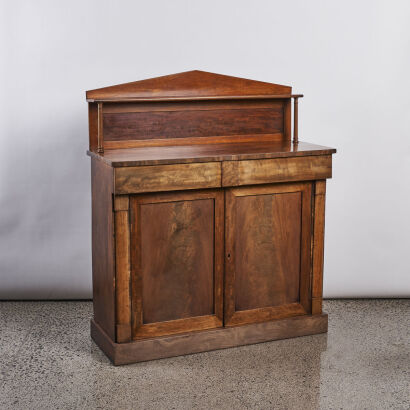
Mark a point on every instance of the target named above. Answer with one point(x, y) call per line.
point(188, 85)
point(207, 153)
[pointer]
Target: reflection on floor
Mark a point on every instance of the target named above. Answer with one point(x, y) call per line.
point(48, 361)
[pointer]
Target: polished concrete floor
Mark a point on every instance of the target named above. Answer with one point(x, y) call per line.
point(49, 362)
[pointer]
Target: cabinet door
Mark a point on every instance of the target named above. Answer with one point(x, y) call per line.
point(176, 262)
point(268, 252)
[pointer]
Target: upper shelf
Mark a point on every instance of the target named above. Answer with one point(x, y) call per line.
point(190, 85)
point(189, 108)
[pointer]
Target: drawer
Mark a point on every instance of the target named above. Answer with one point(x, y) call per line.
point(266, 171)
point(130, 180)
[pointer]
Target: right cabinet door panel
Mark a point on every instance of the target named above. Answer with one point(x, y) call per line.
point(267, 252)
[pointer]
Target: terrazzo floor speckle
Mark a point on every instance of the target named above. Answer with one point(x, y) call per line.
point(48, 361)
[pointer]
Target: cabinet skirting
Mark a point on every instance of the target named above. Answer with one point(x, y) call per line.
point(207, 340)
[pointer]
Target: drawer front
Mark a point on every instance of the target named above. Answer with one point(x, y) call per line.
point(266, 171)
point(130, 180)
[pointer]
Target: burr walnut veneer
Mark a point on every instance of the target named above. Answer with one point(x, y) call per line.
point(207, 216)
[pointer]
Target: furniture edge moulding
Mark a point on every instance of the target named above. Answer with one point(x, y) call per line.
point(193, 98)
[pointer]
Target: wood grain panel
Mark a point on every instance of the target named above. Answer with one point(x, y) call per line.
point(127, 107)
point(194, 124)
point(103, 249)
point(177, 262)
point(267, 250)
point(188, 343)
point(276, 170)
point(182, 142)
point(268, 260)
point(177, 241)
point(167, 177)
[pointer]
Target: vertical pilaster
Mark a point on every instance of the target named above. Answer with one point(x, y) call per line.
point(123, 268)
point(318, 246)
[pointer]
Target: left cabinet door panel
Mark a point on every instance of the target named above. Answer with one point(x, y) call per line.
point(176, 262)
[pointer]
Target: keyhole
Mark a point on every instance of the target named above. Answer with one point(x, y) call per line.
point(229, 256)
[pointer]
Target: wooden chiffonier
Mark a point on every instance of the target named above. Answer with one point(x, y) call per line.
point(207, 216)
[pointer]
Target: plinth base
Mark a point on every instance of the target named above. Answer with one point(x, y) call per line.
point(206, 340)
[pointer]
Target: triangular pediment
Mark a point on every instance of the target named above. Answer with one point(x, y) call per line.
point(190, 84)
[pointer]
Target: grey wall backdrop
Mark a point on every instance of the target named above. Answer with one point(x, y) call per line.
point(351, 60)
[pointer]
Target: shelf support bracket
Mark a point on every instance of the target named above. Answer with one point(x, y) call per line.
point(100, 137)
point(295, 120)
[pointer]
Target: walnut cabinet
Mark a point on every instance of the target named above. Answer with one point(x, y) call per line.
point(207, 216)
